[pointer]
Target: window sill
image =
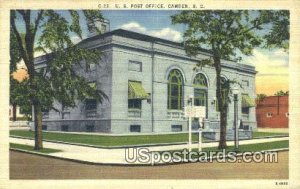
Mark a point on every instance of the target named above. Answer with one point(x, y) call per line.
point(175, 114)
point(134, 113)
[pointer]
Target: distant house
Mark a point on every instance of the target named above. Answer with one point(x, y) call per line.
point(19, 114)
point(273, 112)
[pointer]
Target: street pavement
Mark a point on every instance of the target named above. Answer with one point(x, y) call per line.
point(117, 156)
point(29, 166)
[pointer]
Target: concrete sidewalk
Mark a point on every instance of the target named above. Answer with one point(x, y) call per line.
point(273, 130)
point(117, 156)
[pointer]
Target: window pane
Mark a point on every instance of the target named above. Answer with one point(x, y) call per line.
point(179, 104)
point(197, 102)
point(135, 128)
point(245, 110)
point(65, 128)
point(134, 104)
point(44, 127)
point(174, 103)
point(175, 90)
point(200, 97)
point(174, 79)
point(91, 104)
point(90, 128)
point(176, 128)
point(200, 81)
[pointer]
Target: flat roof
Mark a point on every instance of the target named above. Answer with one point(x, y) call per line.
point(137, 36)
point(146, 38)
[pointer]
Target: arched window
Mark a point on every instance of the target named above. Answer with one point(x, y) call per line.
point(200, 81)
point(175, 90)
point(200, 90)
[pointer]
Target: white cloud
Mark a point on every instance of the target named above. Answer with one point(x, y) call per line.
point(134, 26)
point(269, 63)
point(165, 33)
point(275, 58)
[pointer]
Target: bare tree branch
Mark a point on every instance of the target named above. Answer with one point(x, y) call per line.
point(19, 40)
point(37, 21)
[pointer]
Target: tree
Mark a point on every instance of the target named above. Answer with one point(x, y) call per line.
point(14, 87)
point(260, 97)
point(281, 93)
point(279, 35)
point(15, 95)
point(225, 34)
point(49, 31)
point(19, 97)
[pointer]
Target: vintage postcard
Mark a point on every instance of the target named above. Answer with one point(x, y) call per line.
point(176, 94)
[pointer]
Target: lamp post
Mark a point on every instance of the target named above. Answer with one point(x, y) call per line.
point(200, 134)
point(235, 92)
point(32, 118)
point(191, 104)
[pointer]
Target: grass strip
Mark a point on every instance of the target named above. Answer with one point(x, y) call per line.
point(30, 148)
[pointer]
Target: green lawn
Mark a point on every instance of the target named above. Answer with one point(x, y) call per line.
point(243, 148)
point(116, 140)
point(30, 148)
point(108, 140)
point(264, 134)
point(254, 147)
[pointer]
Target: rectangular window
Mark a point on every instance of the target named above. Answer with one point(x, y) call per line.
point(135, 128)
point(135, 66)
point(199, 97)
point(134, 104)
point(90, 128)
point(245, 127)
point(44, 127)
point(176, 128)
point(245, 110)
point(45, 114)
point(269, 115)
point(90, 104)
point(65, 128)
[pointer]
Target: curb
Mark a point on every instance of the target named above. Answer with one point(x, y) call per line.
point(207, 160)
point(136, 146)
point(76, 160)
point(275, 136)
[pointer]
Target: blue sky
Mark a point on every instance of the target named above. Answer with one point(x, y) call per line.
point(151, 22)
point(154, 20)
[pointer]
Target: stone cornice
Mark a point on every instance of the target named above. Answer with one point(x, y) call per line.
point(104, 43)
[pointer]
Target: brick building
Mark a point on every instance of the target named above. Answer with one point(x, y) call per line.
point(273, 112)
